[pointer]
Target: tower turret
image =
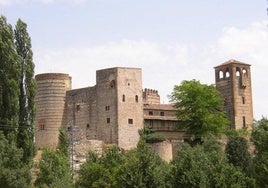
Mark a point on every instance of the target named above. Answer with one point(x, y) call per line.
point(233, 80)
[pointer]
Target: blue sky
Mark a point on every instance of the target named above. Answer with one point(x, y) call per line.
point(170, 40)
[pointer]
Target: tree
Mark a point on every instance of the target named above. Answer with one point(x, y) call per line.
point(260, 139)
point(149, 136)
point(64, 142)
point(238, 153)
point(205, 166)
point(13, 173)
point(142, 168)
point(54, 170)
point(199, 108)
point(9, 76)
point(101, 171)
point(27, 90)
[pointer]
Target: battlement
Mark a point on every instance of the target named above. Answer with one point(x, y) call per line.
point(151, 96)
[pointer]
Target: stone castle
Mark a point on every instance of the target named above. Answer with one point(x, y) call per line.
point(117, 107)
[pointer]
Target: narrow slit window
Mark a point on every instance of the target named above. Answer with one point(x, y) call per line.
point(244, 122)
point(136, 98)
point(243, 100)
point(123, 98)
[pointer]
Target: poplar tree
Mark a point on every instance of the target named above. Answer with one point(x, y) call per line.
point(27, 90)
point(9, 76)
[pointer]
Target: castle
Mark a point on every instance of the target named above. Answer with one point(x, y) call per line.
point(117, 106)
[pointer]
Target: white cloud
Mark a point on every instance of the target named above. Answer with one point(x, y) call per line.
point(165, 65)
point(251, 46)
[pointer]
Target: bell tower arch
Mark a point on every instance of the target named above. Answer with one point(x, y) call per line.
point(233, 80)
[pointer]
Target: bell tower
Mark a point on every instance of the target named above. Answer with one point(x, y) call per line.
point(233, 80)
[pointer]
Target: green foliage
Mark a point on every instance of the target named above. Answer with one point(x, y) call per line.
point(142, 168)
point(27, 90)
point(205, 166)
point(260, 135)
point(260, 139)
point(149, 136)
point(9, 76)
point(199, 108)
point(54, 170)
point(238, 153)
point(64, 143)
point(13, 173)
point(116, 168)
point(100, 172)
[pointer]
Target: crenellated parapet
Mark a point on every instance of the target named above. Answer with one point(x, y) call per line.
point(151, 96)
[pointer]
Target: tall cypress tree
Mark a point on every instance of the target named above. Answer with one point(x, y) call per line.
point(9, 76)
point(27, 90)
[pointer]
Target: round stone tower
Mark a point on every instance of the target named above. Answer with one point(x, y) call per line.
point(50, 102)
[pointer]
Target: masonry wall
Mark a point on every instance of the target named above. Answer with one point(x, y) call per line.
point(130, 106)
point(80, 113)
point(233, 80)
point(106, 105)
point(50, 101)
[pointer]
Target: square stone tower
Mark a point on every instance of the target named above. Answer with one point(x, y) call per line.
point(233, 80)
point(119, 106)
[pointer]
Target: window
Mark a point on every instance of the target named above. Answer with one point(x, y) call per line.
point(244, 71)
point(107, 108)
point(123, 98)
point(136, 98)
point(162, 113)
point(130, 121)
point(108, 120)
point(87, 126)
point(237, 72)
point(227, 74)
point(244, 122)
point(243, 100)
point(78, 108)
point(42, 127)
point(151, 113)
point(112, 84)
point(220, 75)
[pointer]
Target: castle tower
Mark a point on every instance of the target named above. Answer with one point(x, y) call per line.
point(50, 101)
point(119, 106)
point(233, 80)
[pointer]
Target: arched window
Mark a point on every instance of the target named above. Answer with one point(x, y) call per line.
point(136, 98)
point(237, 73)
point(227, 74)
point(220, 74)
point(244, 72)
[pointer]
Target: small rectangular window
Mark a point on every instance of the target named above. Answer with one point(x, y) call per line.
point(151, 113)
point(244, 122)
point(42, 127)
point(123, 98)
point(108, 120)
point(130, 121)
point(87, 126)
point(77, 108)
point(243, 100)
point(162, 113)
point(136, 98)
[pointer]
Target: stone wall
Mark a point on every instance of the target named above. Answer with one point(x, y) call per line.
point(233, 80)
point(50, 101)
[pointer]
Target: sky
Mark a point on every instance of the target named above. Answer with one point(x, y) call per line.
point(171, 40)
